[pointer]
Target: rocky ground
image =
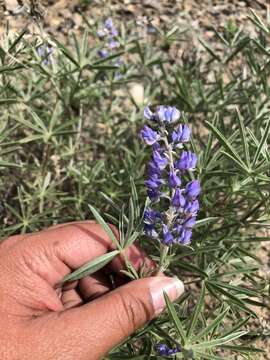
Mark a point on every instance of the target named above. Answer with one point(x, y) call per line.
point(63, 16)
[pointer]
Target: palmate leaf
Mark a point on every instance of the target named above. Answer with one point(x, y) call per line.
point(208, 329)
point(227, 145)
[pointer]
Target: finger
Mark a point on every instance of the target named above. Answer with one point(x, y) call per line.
point(71, 298)
point(59, 250)
point(97, 327)
point(94, 286)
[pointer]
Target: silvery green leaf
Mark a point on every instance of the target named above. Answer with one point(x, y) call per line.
point(105, 226)
point(91, 267)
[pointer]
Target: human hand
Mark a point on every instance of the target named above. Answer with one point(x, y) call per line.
point(83, 320)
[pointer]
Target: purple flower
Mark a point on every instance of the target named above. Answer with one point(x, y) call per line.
point(113, 44)
point(45, 52)
point(181, 134)
point(189, 223)
point(153, 169)
point(174, 180)
point(187, 161)
point(193, 189)
point(100, 33)
point(151, 216)
point(164, 350)
point(109, 33)
point(108, 24)
point(178, 199)
point(153, 182)
point(185, 237)
point(153, 194)
point(160, 161)
point(168, 238)
point(192, 207)
point(148, 114)
point(149, 136)
point(109, 27)
point(103, 53)
point(149, 230)
point(167, 114)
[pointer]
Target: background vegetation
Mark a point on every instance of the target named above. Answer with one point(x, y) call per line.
point(69, 138)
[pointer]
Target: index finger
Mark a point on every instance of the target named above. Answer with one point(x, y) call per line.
point(77, 243)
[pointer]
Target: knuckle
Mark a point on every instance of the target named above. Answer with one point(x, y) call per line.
point(131, 313)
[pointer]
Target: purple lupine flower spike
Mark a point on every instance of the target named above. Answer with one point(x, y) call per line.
point(174, 206)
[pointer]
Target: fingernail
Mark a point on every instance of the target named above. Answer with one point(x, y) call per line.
point(173, 287)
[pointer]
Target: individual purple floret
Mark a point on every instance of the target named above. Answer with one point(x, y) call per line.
point(181, 134)
point(164, 350)
point(103, 53)
point(173, 205)
point(45, 52)
point(149, 136)
point(187, 161)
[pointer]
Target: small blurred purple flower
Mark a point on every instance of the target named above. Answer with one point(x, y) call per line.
point(108, 24)
point(113, 44)
point(103, 53)
point(109, 35)
point(101, 33)
point(164, 350)
point(45, 52)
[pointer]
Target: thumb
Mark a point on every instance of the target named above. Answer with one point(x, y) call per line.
point(97, 327)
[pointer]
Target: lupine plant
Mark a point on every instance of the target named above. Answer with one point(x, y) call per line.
point(69, 145)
